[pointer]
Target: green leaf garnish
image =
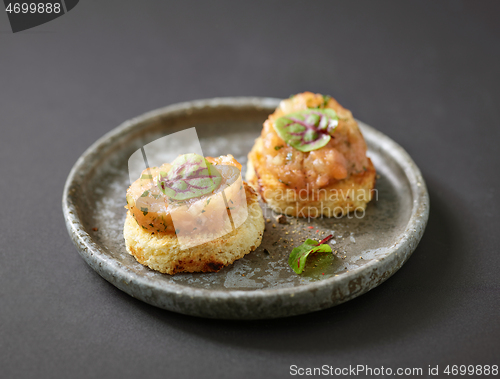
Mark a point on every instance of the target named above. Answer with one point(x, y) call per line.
point(307, 130)
point(191, 176)
point(298, 256)
point(326, 99)
point(146, 176)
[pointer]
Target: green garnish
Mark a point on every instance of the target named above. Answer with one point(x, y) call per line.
point(146, 176)
point(307, 130)
point(285, 183)
point(145, 193)
point(191, 176)
point(326, 99)
point(144, 211)
point(298, 256)
point(278, 147)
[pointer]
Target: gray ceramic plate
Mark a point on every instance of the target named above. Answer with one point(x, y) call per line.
point(367, 250)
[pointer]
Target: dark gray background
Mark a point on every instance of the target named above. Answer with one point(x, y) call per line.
point(425, 73)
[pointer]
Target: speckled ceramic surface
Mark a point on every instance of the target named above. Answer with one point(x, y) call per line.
point(367, 250)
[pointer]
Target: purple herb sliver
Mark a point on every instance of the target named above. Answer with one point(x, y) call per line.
point(307, 130)
point(191, 175)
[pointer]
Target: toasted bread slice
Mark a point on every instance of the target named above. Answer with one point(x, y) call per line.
point(163, 253)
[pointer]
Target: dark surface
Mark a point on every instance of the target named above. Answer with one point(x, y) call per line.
point(424, 73)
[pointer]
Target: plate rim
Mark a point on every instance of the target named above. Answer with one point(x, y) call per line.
point(122, 277)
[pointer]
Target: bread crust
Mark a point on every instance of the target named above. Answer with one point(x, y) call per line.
point(334, 200)
point(163, 253)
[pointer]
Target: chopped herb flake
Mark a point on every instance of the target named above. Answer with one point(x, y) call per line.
point(285, 183)
point(326, 99)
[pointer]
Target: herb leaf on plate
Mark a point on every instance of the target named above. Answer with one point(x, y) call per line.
point(298, 256)
point(307, 130)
